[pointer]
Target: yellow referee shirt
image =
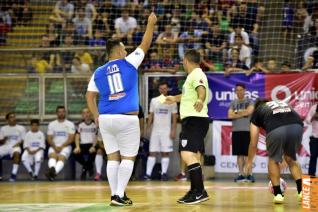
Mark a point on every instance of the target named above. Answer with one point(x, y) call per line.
point(189, 94)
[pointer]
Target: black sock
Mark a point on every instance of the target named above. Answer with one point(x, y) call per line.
point(277, 190)
point(195, 174)
point(299, 185)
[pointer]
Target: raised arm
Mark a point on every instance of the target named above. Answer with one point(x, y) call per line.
point(147, 39)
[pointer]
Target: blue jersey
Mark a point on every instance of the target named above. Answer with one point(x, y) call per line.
point(117, 84)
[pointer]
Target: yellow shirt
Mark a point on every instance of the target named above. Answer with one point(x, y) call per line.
point(86, 58)
point(189, 94)
point(41, 66)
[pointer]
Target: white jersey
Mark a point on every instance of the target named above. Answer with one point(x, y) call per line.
point(34, 140)
point(14, 134)
point(60, 131)
point(162, 114)
point(87, 132)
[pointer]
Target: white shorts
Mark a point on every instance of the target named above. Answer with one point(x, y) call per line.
point(37, 157)
point(120, 133)
point(8, 150)
point(160, 142)
point(66, 151)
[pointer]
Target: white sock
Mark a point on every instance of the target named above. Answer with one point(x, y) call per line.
point(27, 166)
point(52, 162)
point(99, 163)
point(164, 164)
point(124, 173)
point(37, 167)
point(112, 175)
point(59, 166)
point(150, 164)
point(15, 169)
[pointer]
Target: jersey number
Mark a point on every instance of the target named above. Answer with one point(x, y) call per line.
point(273, 105)
point(114, 81)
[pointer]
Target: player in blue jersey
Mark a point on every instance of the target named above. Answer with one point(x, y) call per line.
point(116, 83)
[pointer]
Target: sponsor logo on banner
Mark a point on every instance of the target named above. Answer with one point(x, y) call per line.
point(310, 192)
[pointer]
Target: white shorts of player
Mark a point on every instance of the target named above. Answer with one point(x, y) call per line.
point(37, 157)
point(160, 142)
point(120, 133)
point(66, 151)
point(8, 150)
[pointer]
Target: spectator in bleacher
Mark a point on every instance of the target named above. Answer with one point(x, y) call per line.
point(90, 10)
point(63, 11)
point(161, 126)
point(288, 19)
point(238, 30)
point(67, 56)
point(302, 18)
point(52, 57)
point(39, 65)
point(100, 155)
point(34, 146)
point(85, 58)
point(234, 64)
point(310, 20)
point(52, 35)
point(5, 24)
point(125, 26)
point(313, 31)
point(285, 67)
point(85, 142)
point(205, 64)
point(60, 136)
point(155, 64)
point(199, 24)
point(83, 28)
point(312, 61)
point(167, 40)
point(224, 14)
point(21, 11)
point(216, 43)
point(270, 68)
point(103, 24)
point(98, 39)
point(245, 51)
point(119, 3)
point(11, 139)
point(187, 40)
point(78, 67)
point(176, 20)
point(107, 13)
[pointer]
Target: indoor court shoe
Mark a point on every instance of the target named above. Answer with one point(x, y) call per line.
point(147, 178)
point(300, 196)
point(250, 178)
point(117, 201)
point(196, 197)
point(239, 179)
point(13, 178)
point(181, 177)
point(51, 174)
point(83, 175)
point(186, 196)
point(97, 177)
point(164, 177)
point(127, 199)
point(278, 199)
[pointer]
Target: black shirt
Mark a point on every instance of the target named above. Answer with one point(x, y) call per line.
point(273, 114)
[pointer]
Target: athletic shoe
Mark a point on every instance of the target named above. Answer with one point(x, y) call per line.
point(250, 178)
point(117, 201)
point(164, 177)
point(300, 196)
point(83, 175)
point(13, 178)
point(51, 174)
point(97, 177)
point(186, 196)
point(34, 178)
point(278, 199)
point(196, 197)
point(127, 199)
point(31, 175)
point(181, 177)
point(147, 178)
point(240, 178)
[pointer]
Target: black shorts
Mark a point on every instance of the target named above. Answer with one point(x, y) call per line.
point(240, 142)
point(193, 132)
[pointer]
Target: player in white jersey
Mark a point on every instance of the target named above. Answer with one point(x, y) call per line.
point(11, 138)
point(60, 136)
point(163, 119)
point(34, 146)
point(85, 142)
point(116, 83)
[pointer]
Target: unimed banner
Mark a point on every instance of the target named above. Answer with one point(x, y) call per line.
point(226, 162)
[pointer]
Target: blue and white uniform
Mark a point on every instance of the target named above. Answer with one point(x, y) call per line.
point(117, 85)
point(33, 141)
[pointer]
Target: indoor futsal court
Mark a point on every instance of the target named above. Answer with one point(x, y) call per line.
point(225, 195)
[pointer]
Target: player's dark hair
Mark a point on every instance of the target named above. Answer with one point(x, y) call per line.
point(193, 56)
point(35, 121)
point(240, 85)
point(59, 107)
point(163, 83)
point(111, 44)
point(9, 114)
point(259, 102)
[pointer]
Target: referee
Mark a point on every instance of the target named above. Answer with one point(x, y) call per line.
point(195, 124)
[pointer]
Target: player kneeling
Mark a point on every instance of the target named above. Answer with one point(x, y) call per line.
point(34, 145)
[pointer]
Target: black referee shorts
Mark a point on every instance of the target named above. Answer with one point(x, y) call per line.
point(193, 132)
point(240, 142)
